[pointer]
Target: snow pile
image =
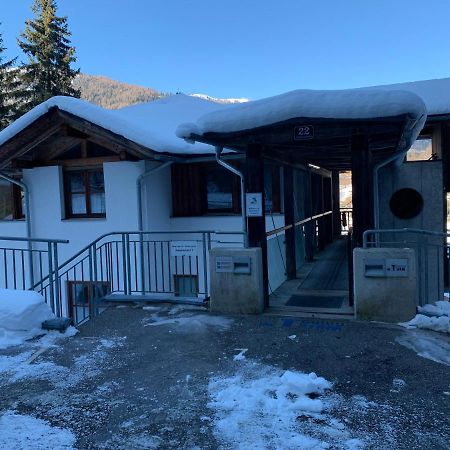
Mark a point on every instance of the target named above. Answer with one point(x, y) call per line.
point(21, 316)
point(434, 317)
point(28, 433)
point(263, 408)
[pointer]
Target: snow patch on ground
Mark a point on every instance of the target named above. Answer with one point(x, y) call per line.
point(435, 317)
point(187, 320)
point(28, 433)
point(21, 316)
point(428, 345)
point(261, 407)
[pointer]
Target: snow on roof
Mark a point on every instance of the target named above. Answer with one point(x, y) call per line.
point(344, 104)
point(151, 124)
point(435, 93)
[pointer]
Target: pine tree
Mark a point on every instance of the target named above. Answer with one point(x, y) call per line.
point(10, 92)
point(46, 43)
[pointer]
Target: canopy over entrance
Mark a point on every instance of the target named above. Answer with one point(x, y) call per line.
point(336, 130)
point(315, 127)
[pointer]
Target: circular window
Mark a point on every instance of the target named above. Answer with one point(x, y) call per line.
point(406, 203)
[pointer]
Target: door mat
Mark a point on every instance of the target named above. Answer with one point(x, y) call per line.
point(315, 301)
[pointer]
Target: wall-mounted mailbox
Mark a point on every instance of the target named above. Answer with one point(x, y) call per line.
point(233, 264)
point(374, 267)
point(386, 267)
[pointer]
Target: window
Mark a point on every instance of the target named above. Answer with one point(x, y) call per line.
point(219, 189)
point(203, 188)
point(81, 295)
point(272, 188)
point(11, 201)
point(421, 150)
point(84, 193)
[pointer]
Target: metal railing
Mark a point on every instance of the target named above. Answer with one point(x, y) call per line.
point(346, 219)
point(158, 264)
point(25, 260)
point(432, 256)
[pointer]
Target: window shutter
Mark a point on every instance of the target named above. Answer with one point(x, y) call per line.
point(188, 190)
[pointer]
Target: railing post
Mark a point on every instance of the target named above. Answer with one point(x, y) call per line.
point(50, 276)
point(57, 280)
point(91, 277)
point(95, 280)
point(124, 265)
point(206, 242)
point(127, 240)
point(142, 264)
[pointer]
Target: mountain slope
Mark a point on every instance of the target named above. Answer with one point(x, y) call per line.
point(111, 94)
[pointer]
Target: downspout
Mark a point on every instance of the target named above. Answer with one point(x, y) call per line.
point(399, 157)
point(139, 181)
point(26, 193)
point(241, 176)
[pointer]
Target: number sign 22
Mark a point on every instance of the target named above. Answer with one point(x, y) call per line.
point(303, 132)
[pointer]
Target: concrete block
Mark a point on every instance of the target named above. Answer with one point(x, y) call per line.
point(233, 289)
point(385, 283)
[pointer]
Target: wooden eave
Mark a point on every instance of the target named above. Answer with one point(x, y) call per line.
point(330, 148)
point(58, 129)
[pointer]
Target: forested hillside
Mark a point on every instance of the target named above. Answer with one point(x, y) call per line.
point(111, 94)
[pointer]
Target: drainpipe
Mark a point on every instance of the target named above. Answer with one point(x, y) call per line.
point(139, 190)
point(399, 157)
point(26, 192)
point(241, 176)
point(139, 181)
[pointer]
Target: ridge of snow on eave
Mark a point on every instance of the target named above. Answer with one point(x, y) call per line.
point(343, 104)
point(147, 129)
point(435, 93)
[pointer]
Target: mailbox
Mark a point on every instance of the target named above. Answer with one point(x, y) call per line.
point(374, 267)
point(386, 267)
point(233, 264)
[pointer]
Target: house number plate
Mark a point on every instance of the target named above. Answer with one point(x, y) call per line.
point(303, 132)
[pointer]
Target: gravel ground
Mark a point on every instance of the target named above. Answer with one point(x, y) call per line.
point(137, 378)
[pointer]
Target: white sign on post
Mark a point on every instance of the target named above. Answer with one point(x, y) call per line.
point(254, 206)
point(183, 248)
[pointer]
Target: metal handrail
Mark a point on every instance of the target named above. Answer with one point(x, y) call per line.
point(401, 230)
point(296, 224)
point(23, 239)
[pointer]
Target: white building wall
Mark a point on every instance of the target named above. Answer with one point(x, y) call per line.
point(47, 205)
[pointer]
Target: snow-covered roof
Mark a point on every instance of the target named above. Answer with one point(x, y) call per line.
point(344, 104)
point(435, 93)
point(151, 124)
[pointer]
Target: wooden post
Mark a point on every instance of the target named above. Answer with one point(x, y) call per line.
point(318, 193)
point(257, 225)
point(362, 186)
point(288, 192)
point(336, 203)
point(309, 227)
point(328, 206)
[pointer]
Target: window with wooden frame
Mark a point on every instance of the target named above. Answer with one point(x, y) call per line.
point(272, 188)
point(84, 192)
point(207, 188)
point(11, 201)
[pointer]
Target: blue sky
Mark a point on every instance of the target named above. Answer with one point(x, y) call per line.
point(248, 48)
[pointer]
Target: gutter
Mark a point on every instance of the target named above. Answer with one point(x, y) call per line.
point(232, 169)
point(26, 192)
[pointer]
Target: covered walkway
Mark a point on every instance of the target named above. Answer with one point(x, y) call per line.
point(321, 286)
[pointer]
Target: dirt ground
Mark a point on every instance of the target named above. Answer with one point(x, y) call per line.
point(164, 377)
